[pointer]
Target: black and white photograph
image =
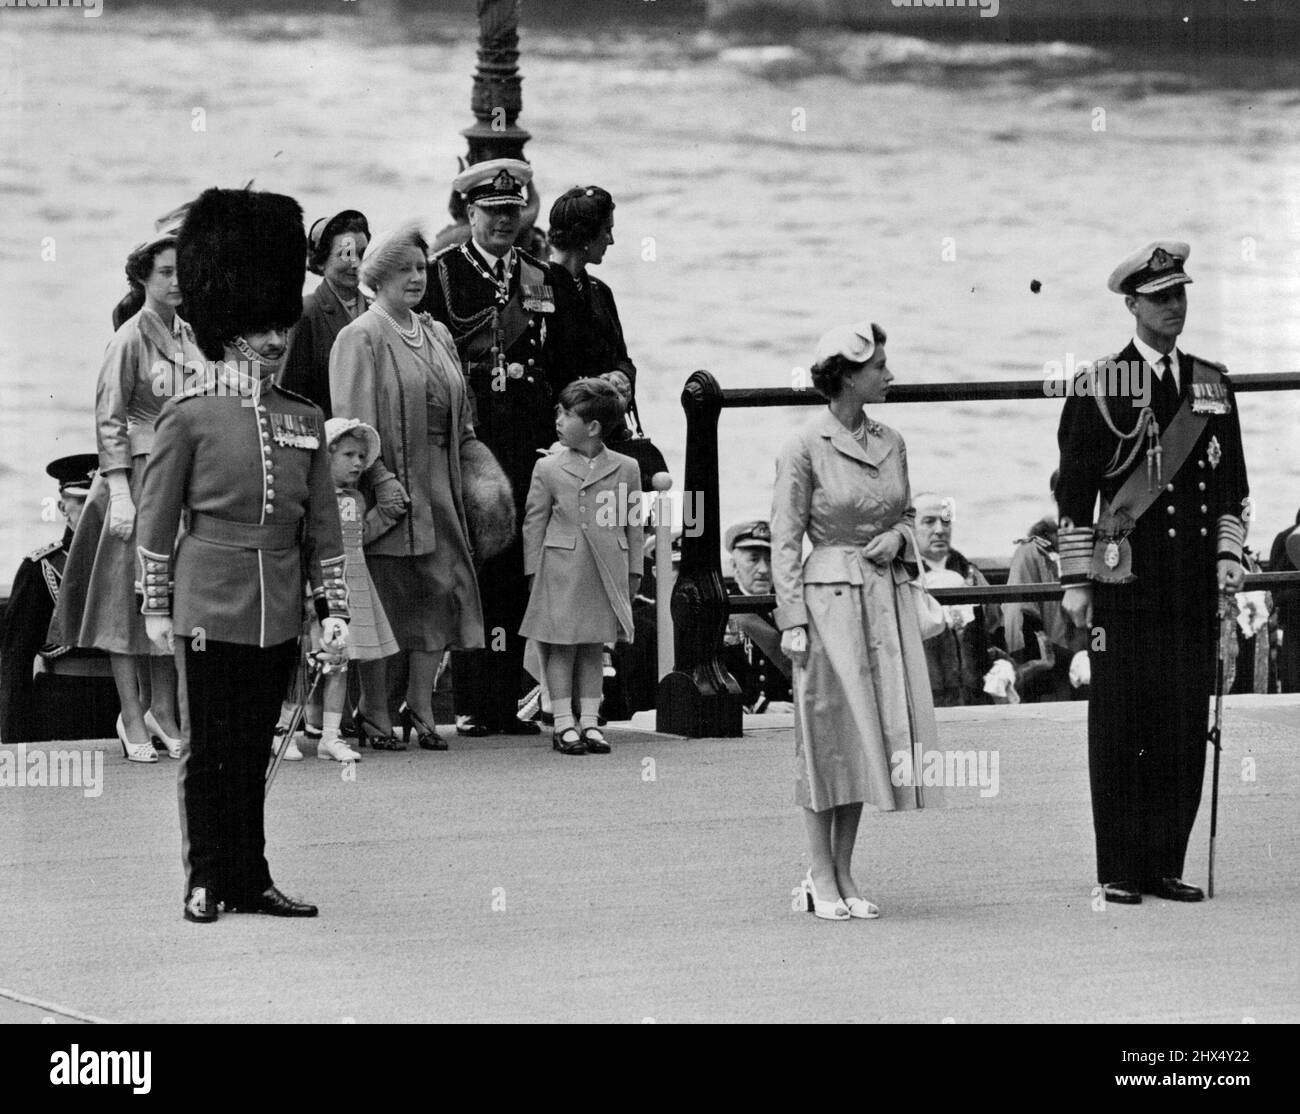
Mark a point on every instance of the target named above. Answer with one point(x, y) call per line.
point(861, 433)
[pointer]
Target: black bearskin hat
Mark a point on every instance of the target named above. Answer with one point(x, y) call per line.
point(241, 260)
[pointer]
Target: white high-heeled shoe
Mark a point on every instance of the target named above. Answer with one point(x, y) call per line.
point(159, 737)
point(826, 910)
point(862, 909)
point(134, 752)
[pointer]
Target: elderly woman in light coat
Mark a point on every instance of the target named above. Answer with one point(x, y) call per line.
point(863, 714)
point(398, 371)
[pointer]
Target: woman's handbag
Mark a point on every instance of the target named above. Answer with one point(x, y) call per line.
point(929, 611)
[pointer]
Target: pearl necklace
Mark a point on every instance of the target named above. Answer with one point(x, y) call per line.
point(414, 336)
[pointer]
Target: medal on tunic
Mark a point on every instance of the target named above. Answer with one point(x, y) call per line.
point(1111, 556)
point(1210, 398)
point(515, 371)
point(291, 431)
point(1214, 453)
point(538, 299)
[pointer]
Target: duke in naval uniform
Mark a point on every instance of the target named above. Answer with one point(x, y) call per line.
point(247, 460)
point(752, 644)
point(1146, 572)
point(44, 687)
point(497, 302)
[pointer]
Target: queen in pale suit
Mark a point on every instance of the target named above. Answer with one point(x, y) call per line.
point(863, 713)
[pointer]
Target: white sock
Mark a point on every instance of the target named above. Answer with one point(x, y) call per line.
point(331, 723)
point(563, 721)
point(286, 714)
point(589, 711)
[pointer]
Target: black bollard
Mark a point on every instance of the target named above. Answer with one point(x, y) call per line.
point(699, 698)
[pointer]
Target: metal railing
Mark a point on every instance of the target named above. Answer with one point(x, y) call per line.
point(698, 698)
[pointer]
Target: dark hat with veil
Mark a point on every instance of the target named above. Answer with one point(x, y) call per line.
point(241, 258)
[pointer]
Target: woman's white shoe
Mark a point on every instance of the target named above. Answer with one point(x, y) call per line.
point(861, 908)
point(159, 737)
point(134, 752)
point(826, 910)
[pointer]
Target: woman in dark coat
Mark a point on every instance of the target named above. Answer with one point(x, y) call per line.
point(334, 250)
point(586, 339)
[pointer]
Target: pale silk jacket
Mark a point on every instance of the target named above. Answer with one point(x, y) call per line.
point(144, 365)
point(841, 496)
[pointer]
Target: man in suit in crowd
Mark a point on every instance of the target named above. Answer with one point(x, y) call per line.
point(49, 691)
point(497, 302)
point(1286, 604)
point(752, 643)
point(958, 657)
point(1156, 435)
point(1041, 641)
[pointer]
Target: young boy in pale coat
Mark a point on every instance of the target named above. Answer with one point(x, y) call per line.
point(582, 539)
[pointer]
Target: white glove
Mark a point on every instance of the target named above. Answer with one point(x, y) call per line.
point(334, 635)
point(959, 616)
point(1000, 682)
point(1080, 670)
point(159, 630)
point(794, 645)
point(121, 516)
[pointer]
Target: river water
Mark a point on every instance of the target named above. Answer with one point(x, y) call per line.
point(763, 195)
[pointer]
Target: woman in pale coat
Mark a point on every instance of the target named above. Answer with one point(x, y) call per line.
point(863, 714)
point(151, 357)
point(398, 372)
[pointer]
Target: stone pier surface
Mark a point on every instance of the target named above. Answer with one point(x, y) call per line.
point(503, 882)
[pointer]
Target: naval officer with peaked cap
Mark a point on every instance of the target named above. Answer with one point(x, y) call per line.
point(1144, 570)
point(498, 303)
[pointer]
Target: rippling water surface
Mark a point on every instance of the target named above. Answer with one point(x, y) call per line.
point(930, 186)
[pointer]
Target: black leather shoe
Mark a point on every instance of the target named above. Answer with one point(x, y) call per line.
point(1172, 889)
point(518, 726)
point(1122, 893)
point(274, 904)
point(200, 906)
point(568, 741)
point(471, 728)
point(594, 741)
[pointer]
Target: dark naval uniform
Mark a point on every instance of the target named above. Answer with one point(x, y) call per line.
point(752, 654)
point(1154, 626)
point(49, 691)
point(500, 328)
point(253, 474)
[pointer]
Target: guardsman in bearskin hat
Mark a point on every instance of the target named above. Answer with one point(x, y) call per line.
point(497, 302)
point(247, 459)
point(1154, 432)
point(27, 713)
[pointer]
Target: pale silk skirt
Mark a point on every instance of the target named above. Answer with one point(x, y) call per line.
point(98, 606)
point(863, 713)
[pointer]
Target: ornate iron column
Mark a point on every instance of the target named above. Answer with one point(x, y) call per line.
point(496, 101)
point(497, 98)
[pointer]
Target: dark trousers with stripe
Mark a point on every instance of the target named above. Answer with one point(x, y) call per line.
point(487, 683)
point(234, 701)
point(1148, 715)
